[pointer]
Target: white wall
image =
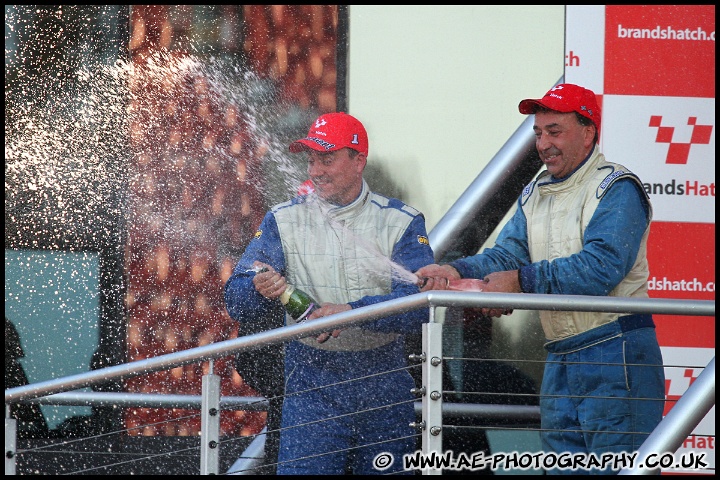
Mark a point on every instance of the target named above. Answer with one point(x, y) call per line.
point(437, 88)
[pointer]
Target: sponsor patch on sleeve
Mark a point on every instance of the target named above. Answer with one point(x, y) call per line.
point(423, 240)
point(527, 190)
point(609, 180)
point(258, 234)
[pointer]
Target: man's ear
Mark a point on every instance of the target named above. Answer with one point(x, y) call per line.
point(590, 131)
point(361, 161)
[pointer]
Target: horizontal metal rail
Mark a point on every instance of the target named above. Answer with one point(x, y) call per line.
point(515, 301)
point(528, 413)
point(147, 400)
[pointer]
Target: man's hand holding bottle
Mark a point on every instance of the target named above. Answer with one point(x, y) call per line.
point(270, 284)
point(325, 310)
point(446, 277)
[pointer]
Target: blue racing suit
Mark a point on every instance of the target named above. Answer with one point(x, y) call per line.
point(360, 254)
point(603, 388)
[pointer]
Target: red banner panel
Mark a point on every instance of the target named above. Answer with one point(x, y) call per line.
point(684, 270)
point(660, 50)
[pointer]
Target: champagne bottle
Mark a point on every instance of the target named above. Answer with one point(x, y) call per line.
point(298, 303)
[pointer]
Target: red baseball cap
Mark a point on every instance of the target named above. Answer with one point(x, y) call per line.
point(333, 131)
point(566, 98)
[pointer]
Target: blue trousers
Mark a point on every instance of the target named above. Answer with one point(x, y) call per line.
point(602, 391)
point(343, 426)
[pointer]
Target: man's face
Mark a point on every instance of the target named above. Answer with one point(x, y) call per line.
point(561, 141)
point(337, 176)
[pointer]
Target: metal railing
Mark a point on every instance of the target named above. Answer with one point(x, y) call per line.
point(685, 415)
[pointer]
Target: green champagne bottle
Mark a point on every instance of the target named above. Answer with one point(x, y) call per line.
point(298, 303)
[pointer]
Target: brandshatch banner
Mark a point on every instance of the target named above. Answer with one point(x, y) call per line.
point(653, 67)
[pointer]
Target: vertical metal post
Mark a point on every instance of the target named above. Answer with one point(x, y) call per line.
point(210, 424)
point(10, 442)
point(432, 382)
point(672, 431)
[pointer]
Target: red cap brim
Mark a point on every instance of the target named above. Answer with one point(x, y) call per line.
point(306, 143)
point(530, 105)
point(302, 145)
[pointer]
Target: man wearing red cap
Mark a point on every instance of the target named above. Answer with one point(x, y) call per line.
point(347, 394)
point(580, 228)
